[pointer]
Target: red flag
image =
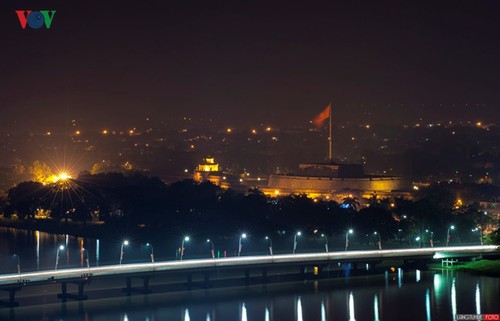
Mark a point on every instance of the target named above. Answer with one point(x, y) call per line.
point(324, 115)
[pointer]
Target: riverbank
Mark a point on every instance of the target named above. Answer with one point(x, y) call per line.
point(89, 229)
point(483, 267)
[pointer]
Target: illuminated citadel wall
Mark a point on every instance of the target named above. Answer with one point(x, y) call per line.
point(337, 188)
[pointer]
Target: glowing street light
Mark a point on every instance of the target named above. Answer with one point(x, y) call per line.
point(212, 251)
point(83, 252)
point(125, 243)
point(452, 227)
point(379, 242)
point(152, 253)
point(270, 245)
point(185, 239)
point(64, 176)
point(326, 242)
point(477, 229)
point(242, 236)
point(60, 248)
point(431, 237)
point(295, 241)
point(18, 263)
point(350, 231)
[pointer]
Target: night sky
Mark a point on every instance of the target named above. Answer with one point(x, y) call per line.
point(250, 62)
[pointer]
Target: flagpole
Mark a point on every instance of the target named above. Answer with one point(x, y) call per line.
point(330, 134)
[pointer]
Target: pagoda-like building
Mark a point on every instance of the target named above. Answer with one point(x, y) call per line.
point(207, 170)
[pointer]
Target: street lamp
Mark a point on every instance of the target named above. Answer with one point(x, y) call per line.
point(213, 249)
point(350, 231)
point(431, 237)
point(185, 239)
point(124, 243)
point(326, 242)
point(480, 234)
point(270, 245)
point(152, 253)
point(84, 250)
point(452, 227)
point(18, 263)
point(60, 248)
point(379, 242)
point(242, 236)
point(295, 241)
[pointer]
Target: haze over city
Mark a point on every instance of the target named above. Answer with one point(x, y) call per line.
point(241, 64)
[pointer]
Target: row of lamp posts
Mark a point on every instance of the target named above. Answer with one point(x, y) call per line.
point(182, 248)
point(240, 245)
point(431, 237)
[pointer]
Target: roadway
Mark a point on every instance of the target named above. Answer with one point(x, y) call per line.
point(243, 262)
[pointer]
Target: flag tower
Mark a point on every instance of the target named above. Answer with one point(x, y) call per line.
point(318, 122)
point(330, 142)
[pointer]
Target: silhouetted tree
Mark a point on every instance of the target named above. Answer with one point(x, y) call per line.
point(26, 198)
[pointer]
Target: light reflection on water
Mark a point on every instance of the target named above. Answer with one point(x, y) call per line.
point(428, 304)
point(323, 311)
point(351, 308)
point(299, 309)
point(376, 316)
point(478, 299)
point(437, 296)
point(453, 297)
point(408, 295)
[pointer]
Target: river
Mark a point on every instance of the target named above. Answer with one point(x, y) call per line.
point(398, 295)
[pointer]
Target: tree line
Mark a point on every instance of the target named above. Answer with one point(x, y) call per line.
point(137, 201)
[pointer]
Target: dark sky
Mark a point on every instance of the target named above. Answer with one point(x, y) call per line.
point(248, 62)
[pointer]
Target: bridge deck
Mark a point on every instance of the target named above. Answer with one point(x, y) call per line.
point(51, 276)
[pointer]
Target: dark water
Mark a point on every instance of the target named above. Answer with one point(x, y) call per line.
point(408, 295)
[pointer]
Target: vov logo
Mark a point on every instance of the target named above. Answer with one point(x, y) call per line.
point(35, 19)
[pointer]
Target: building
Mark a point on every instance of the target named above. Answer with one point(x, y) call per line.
point(211, 171)
point(207, 170)
point(336, 182)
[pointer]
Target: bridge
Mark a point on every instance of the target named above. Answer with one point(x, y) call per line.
point(221, 266)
